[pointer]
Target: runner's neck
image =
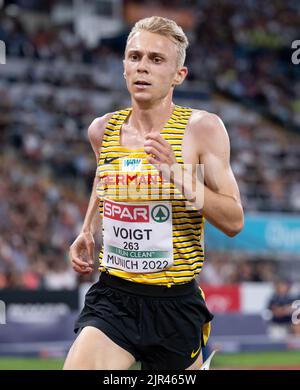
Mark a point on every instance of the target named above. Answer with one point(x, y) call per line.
point(151, 119)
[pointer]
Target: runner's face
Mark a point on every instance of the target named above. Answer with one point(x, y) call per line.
point(150, 66)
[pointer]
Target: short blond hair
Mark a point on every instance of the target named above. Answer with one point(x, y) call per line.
point(166, 27)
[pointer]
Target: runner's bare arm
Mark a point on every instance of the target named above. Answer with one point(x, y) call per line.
point(95, 134)
point(219, 199)
point(82, 249)
point(222, 204)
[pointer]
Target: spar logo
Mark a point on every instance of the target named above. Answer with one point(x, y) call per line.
point(160, 213)
point(126, 212)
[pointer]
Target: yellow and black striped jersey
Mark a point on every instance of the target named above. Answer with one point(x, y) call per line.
point(126, 177)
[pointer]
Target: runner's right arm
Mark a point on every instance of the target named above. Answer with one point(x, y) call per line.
point(82, 249)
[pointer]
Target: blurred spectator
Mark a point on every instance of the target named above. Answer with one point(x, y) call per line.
point(281, 310)
point(59, 276)
point(226, 268)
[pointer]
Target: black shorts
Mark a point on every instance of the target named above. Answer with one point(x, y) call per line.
point(160, 326)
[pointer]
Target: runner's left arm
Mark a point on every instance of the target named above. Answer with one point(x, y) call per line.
point(217, 197)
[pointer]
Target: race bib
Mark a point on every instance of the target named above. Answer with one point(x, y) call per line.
point(137, 237)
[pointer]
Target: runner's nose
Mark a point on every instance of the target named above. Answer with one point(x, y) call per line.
point(143, 65)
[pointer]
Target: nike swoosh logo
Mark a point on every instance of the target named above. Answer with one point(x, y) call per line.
point(108, 160)
point(193, 354)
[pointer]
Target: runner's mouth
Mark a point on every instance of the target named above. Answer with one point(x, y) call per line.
point(142, 83)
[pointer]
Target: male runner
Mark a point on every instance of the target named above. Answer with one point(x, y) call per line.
point(146, 305)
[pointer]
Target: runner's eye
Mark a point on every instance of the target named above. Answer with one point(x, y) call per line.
point(133, 57)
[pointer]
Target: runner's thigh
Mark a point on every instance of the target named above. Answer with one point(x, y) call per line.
point(93, 350)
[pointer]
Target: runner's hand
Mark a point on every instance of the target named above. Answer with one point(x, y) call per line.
point(160, 154)
point(82, 253)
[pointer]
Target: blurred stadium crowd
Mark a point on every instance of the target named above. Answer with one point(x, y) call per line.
point(54, 84)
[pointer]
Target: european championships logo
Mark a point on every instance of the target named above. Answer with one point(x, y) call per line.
point(2, 53)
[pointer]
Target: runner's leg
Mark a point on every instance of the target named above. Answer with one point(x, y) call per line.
point(197, 363)
point(93, 350)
